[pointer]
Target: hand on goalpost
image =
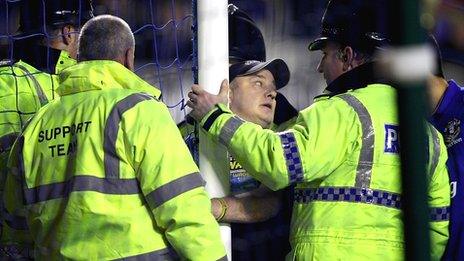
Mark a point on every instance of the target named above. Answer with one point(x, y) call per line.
point(203, 102)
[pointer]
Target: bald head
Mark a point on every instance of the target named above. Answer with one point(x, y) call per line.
point(107, 37)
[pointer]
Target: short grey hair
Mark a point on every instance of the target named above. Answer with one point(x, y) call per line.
point(104, 37)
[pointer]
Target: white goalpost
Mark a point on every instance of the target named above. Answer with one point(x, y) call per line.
point(213, 67)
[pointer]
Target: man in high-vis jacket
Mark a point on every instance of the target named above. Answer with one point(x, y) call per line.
point(28, 80)
point(259, 217)
point(103, 173)
point(342, 153)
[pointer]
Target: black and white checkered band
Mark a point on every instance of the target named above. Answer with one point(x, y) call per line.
point(292, 157)
point(440, 214)
point(362, 195)
point(348, 194)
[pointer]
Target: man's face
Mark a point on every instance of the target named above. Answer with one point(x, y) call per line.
point(252, 97)
point(331, 66)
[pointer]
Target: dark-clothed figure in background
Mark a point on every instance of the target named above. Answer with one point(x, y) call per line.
point(447, 105)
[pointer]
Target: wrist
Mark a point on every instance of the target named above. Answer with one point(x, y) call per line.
point(213, 114)
point(215, 208)
point(219, 208)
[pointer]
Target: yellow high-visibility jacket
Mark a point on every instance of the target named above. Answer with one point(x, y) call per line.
point(103, 173)
point(23, 90)
point(343, 155)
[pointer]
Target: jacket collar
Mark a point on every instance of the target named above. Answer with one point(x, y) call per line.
point(101, 75)
point(64, 61)
point(356, 78)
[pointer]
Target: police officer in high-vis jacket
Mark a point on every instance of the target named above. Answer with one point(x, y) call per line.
point(28, 80)
point(342, 153)
point(103, 173)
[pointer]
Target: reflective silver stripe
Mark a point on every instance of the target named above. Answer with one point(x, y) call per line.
point(38, 88)
point(20, 168)
point(6, 141)
point(440, 214)
point(229, 129)
point(15, 222)
point(174, 188)
point(111, 158)
point(366, 156)
point(348, 194)
point(165, 254)
point(292, 157)
point(436, 150)
point(81, 183)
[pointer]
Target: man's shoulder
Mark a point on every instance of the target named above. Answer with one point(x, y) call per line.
point(450, 109)
point(370, 98)
point(327, 104)
point(22, 71)
point(375, 90)
point(125, 96)
point(27, 68)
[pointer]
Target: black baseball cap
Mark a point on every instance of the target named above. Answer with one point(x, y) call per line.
point(277, 67)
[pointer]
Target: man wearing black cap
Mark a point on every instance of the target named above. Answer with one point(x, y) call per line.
point(52, 46)
point(253, 90)
point(343, 152)
point(260, 217)
point(39, 53)
point(28, 81)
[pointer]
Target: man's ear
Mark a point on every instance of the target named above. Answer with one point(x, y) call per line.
point(129, 59)
point(347, 58)
point(68, 34)
point(231, 91)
